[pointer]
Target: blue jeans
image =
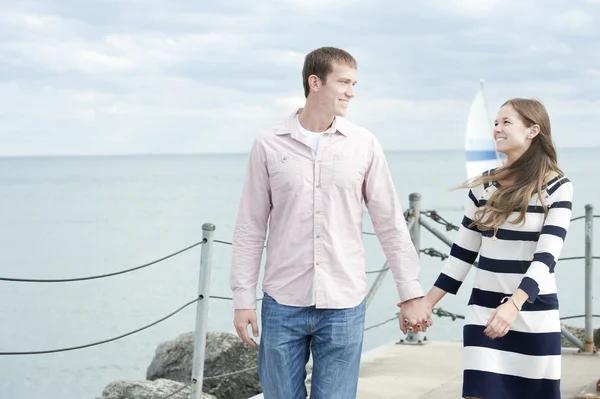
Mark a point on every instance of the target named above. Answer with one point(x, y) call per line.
point(289, 333)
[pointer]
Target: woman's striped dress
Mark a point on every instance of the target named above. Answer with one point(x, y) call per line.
point(525, 363)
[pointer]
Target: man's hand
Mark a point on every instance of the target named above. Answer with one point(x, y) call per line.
point(415, 315)
point(241, 319)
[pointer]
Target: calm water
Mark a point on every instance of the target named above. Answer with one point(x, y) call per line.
point(69, 217)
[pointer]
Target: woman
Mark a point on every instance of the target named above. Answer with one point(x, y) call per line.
point(516, 219)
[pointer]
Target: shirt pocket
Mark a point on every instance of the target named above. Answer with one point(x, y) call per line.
point(348, 170)
point(285, 172)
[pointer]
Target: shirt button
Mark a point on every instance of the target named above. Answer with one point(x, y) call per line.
point(318, 212)
point(318, 236)
point(318, 186)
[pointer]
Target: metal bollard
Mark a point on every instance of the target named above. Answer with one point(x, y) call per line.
point(202, 311)
point(414, 200)
point(589, 265)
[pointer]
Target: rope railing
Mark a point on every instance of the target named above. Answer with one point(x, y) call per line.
point(43, 352)
point(69, 280)
point(583, 217)
point(177, 391)
point(433, 215)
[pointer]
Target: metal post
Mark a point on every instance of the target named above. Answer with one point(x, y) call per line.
point(381, 275)
point(589, 264)
point(202, 311)
point(414, 200)
point(414, 227)
point(376, 284)
point(571, 337)
point(435, 232)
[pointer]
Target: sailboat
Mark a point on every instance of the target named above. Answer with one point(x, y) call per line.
point(480, 147)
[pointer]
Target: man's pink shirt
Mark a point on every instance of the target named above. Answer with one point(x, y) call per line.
point(311, 204)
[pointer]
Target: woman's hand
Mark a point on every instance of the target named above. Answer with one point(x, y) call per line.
point(501, 320)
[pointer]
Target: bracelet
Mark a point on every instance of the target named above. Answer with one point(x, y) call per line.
point(513, 301)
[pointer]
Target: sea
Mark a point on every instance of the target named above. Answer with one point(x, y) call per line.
point(67, 217)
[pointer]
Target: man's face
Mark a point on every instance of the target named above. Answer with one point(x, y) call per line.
point(335, 94)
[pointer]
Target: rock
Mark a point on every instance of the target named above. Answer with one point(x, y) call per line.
point(147, 390)
point(225, 353)
point(580, 333)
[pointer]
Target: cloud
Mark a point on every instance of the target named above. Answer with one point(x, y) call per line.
point(132, 76)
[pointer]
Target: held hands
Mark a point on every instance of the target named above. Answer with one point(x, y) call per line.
point(502, 319)
point(241, 319)
point(415, 315)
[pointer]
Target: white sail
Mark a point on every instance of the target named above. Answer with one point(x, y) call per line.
point(480, 147)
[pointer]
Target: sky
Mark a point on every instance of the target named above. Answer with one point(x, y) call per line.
point(156, 76)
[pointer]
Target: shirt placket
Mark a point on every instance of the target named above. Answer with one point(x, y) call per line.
point(318, 229)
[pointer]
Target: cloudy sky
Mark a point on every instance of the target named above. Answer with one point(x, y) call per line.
point(168, 76)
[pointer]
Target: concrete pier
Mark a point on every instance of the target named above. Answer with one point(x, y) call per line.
point(434, 371)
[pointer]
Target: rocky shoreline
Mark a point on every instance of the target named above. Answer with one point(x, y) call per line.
point(171, 369)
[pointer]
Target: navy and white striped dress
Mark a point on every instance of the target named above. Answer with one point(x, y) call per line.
point(526, 362)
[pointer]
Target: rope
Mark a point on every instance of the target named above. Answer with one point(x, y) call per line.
point(101, 342)
point(230, 243)
point(382, 323)
point(177, 391)
point(230, 374)
point(443, 313)
point(578, 257)
point(433, 215)
point(583, 217)
point(577, 317)
point(378, 271)
point(228, 298)
point(68, 280)
point(434, 253)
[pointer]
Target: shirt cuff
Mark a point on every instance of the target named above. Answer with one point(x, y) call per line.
point(448, 284)
point(409, 290)
point(531, 287)
point(244, 299)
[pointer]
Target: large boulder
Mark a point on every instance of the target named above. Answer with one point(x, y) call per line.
point(225, 353)
point(158, 389)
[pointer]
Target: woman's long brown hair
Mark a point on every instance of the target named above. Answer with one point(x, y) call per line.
point(529, 172)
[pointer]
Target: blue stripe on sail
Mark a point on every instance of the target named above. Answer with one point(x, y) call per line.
point(480, 155)
point(485, 384)
point(489, 299)
point(532, 344)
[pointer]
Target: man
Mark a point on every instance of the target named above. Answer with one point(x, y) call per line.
point(306, 179)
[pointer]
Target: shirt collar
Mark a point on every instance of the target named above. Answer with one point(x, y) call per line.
point(290, 126)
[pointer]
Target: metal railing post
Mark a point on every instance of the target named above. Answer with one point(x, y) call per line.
point(202, 311)
point(414, 201)
point(429, 226)
point(589, 264)
point(414, 227)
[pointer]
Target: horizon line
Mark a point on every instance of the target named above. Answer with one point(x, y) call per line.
point(151, 154)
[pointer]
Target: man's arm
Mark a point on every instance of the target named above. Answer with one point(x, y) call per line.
point(389, 224)
point(248, 242)
point(250, 230)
